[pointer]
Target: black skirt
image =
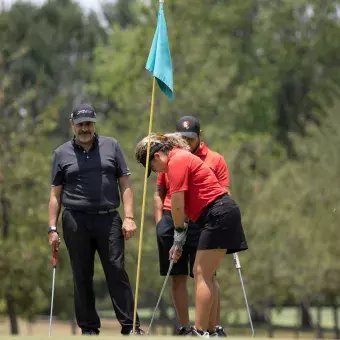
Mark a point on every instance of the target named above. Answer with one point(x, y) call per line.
point(221, 226)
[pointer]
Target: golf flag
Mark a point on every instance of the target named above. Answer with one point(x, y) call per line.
point(159, 60)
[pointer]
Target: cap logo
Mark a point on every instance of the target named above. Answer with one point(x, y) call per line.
point(83, 111)
point(186, 124)
point(86, 112)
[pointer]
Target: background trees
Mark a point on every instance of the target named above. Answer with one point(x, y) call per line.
point(262, 77)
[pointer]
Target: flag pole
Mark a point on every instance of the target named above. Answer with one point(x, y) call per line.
point(162, 70)
point(144, 201)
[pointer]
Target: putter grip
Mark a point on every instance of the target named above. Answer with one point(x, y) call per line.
point(237, 261)
point(55, 258)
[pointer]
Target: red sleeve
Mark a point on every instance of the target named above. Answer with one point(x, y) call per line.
point(178, 174)
point(222, 173)
point(161, 182)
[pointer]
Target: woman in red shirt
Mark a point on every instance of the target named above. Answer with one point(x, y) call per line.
point(197, 195)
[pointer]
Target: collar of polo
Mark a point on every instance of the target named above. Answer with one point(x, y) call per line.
point(79, 147)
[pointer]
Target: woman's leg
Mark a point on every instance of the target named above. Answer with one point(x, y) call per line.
point(215, 307)
point(180, 298)
point(206, 263)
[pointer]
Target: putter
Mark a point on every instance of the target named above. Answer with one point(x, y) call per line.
point(238, 267)
point(161, 293)
point(54, 265)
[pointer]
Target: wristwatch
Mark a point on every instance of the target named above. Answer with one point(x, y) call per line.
point(52, 229)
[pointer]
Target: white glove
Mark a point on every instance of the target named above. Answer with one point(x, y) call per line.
point(180, 236)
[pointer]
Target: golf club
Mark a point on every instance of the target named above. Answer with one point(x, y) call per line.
point(161, 293)
point(238, 267)
point(54, 265)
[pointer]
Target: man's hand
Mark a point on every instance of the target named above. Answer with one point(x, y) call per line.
point(158, 218)
point(129, 228)
point(158, 201)
point(54, 240)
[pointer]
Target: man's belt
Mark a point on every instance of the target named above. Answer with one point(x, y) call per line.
point(99, 212)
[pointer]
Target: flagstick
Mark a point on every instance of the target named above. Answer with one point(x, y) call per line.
point(143, 202)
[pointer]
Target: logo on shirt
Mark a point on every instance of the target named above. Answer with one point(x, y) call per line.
point(186, 124)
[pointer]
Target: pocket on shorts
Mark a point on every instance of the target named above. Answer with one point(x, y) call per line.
point(222, 206)
point(165, 227)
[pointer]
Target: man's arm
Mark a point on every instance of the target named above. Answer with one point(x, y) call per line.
point(54, 205)
point(158, 200)
point(53, 214)
point(126, 195)
point(222, 174)
point(129, 225)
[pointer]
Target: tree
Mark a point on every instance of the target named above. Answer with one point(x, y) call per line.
point(257, 75)
point(255, 66)
point(46, 57)
point(121, 13)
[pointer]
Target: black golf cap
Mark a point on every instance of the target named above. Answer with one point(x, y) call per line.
point(188, 126)
point(153, 150)
point(83, 113)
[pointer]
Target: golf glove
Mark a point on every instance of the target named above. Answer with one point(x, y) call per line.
point(180, 236)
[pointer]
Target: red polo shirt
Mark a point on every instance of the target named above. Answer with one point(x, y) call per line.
point(188, 173)
point(214, 160)
point(162, 181)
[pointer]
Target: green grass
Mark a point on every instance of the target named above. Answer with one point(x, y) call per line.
point(116, 337)
point(111, 328)
point(288, 316)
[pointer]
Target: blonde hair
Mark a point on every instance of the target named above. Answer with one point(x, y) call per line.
point(158, 142)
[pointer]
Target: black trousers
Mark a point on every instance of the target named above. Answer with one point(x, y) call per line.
point(84, 234)
point(165, 239)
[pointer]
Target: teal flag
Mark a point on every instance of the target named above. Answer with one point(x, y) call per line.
point(159, 60)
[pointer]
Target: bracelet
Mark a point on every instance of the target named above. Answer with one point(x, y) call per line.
point(130, 218)
point(52, 229)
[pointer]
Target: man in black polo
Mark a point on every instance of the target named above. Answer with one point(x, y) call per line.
point(88, 174)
